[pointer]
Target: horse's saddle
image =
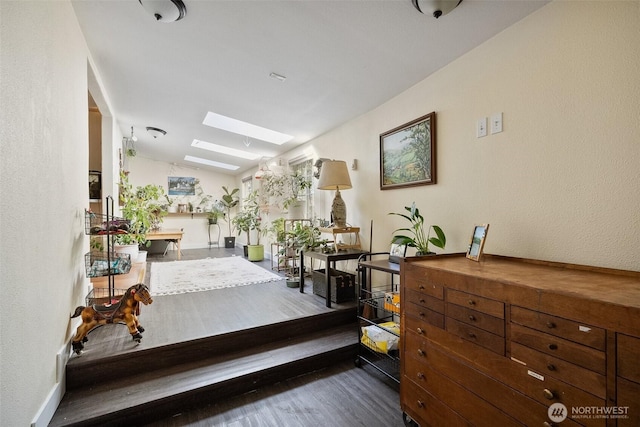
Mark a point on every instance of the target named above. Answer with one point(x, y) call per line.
point(106, 311)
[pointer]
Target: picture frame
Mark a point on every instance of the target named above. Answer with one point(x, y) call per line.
point(476, 245)
point(396, 252)
point(95, 186)
point(408, 154)
point(181, 186)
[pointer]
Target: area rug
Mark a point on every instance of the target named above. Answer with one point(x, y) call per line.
point(179, 277)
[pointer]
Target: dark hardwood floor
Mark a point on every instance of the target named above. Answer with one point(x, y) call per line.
point(341, 395)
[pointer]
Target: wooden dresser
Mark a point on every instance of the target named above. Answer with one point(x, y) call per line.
point(514, 342)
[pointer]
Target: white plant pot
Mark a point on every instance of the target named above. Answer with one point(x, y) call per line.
point(142, 256)
point(132, 250)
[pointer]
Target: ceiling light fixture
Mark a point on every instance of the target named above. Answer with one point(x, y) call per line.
point(165, 10)
point(246, 129)
point(436, 8)
point(211, 163)
point(224, 150)
point(155, 132)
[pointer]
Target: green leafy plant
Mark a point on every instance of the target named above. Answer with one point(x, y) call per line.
point(230, 200)
point(284, 190)
point(215, 212)
point(417, 236)
point(249, 219)
point(144, 206)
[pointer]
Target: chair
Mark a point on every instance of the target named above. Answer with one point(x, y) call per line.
point(172, 242)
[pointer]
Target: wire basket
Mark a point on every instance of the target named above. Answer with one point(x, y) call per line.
point(98, 224)
point(97, 264)
point(101, 296)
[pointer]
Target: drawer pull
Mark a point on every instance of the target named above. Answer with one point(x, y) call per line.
point(548, 394)
point(420, 375)
point(420, 404)
point(421, 287)
point(472, 302)
point(422, 301)
point(551, 367)
point(471, 335)
point(553, 347)
point(420, 331)
point(551, 325)
point(421, 352)
point(421, 314)
point(548, 424)
point(472, 317)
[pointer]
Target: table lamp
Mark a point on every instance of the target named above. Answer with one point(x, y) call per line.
point(334, 175)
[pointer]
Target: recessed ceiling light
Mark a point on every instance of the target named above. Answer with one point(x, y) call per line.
point(211, 163)
point(224, 150)
point(247, 129)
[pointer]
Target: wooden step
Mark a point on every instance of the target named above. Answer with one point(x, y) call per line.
point(144, 395)
point(81, 372)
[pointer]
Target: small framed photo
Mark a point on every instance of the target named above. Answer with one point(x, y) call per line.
point(396, 252)
point(477, 242)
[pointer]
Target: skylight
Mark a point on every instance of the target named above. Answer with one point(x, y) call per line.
point(243, 128)
point(211, 163)
point(224, 150)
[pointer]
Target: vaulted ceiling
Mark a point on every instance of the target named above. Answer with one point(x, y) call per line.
point(340, 59)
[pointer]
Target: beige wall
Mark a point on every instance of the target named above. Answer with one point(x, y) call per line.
point(43, 189)
point(561, 182)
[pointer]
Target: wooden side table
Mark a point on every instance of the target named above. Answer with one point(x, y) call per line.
point(335, 231)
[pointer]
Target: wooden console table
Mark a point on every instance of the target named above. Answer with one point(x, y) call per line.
point(168, 234)
point(329, 262)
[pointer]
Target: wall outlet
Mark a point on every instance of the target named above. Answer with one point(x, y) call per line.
point(496, 123)
point(481, 129)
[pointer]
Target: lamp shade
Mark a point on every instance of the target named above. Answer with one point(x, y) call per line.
point(334, 175)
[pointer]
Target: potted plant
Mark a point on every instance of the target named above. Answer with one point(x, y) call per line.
point(302, 237)
point(143, 206)
point(248, 220)
point(415, 236)
point(229, 201)
point(284, 190)
point(216, 211)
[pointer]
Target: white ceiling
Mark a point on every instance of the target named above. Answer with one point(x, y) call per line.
point(341, 59)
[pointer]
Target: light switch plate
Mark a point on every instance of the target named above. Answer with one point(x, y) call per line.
point(481, 129)
point(496, 123)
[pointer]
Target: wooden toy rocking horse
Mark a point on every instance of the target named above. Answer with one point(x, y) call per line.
point(124, 311)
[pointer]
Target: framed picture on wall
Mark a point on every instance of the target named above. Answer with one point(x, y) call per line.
point(477, 242)
point(408, 154)
point(182, 186)
point(95, 186)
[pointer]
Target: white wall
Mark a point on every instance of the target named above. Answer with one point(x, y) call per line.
point(43, 189)
point(145, 171)
point(561, 182)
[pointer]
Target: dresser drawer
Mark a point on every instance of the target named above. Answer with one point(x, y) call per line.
point(546, 364)
point(586, 357)
point(475, 318)
point(476, 410)
point(418, 326)
point(426, 409)
point(478, 303)
point(628, 359)
point(548, 390)
point(563, 328)
point(425, 315)
point(505, 398)
point(478, 336)
point(427, 301)
point(421, 280)
point(629, 396)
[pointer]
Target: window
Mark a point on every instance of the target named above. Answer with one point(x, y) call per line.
point(305, 169)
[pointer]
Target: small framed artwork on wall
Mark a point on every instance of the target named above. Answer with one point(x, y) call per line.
point(477, 242)
point(408, 154)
